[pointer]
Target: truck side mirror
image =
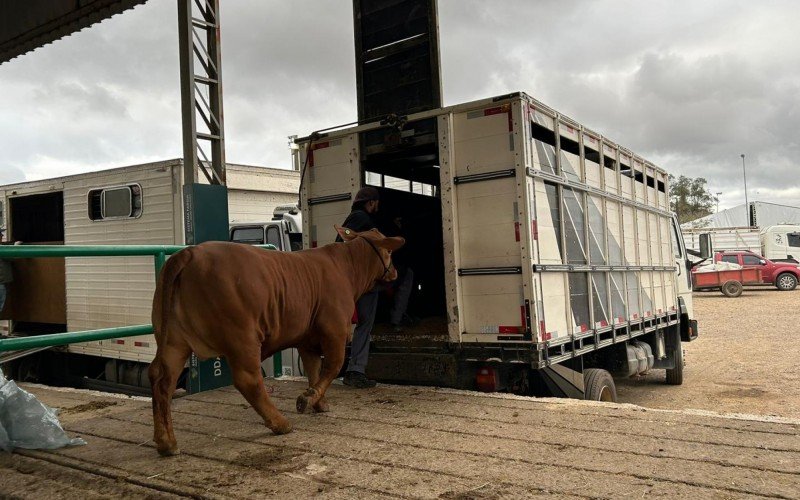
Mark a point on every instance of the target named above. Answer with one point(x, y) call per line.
point(706, 246)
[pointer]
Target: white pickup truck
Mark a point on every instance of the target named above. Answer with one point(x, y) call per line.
point(284, 230)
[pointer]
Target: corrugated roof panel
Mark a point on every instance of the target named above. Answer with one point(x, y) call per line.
point(26, 25)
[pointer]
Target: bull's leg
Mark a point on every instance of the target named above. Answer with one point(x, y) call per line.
point(247, 379)
point(333, 349)
point(164, 372)
point(312, 363)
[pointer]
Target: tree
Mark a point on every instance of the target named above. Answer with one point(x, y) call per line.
point(690, 198)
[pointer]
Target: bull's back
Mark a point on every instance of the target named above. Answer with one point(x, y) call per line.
point(252, 291)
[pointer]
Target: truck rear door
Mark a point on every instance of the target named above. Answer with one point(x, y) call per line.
point(330, 177)
point(485, 205)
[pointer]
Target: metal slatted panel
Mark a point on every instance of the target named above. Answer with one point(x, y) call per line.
point(397, 57)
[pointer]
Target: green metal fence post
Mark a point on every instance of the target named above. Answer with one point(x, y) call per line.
point(277, 364)
point(159, 258)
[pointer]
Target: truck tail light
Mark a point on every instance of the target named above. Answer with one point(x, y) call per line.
point(486, 379)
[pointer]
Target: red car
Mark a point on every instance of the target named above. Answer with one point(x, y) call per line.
point(784, 275)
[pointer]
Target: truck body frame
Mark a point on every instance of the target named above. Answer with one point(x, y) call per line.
point(556, 241)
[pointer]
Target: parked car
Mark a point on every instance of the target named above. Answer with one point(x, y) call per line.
point(784, 275)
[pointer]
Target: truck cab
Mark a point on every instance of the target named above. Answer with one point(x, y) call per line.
point(284, 231)
point(781, 243)
point(783, 275)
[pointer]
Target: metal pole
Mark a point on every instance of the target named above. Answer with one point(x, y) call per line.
point(277, 364)
point(55, 339)
point(746, 203)
point(717, 198)
point(186, 57)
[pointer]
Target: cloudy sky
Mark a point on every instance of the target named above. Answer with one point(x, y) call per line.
point(688, 85)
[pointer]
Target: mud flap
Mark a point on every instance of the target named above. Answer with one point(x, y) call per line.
point(688, 329)
point(563, 380)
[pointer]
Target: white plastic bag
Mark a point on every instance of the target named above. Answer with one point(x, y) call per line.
point(717, 266)
point(25, 422)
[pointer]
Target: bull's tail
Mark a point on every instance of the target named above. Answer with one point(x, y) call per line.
point(165, 291)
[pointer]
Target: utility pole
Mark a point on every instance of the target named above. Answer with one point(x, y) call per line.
point(717, 200)
point(746, 204)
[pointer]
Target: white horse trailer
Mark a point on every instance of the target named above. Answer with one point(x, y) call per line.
point(544, 254)
point(140, 204)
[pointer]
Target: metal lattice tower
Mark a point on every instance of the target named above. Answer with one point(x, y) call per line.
point(201, 90)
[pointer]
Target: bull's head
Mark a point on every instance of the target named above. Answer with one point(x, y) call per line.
point(382, 246)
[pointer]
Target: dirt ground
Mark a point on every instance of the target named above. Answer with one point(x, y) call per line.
point(406, 442)
point(743, 362)
point(414, 442)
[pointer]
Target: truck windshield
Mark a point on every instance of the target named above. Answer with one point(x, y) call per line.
point(251, 235)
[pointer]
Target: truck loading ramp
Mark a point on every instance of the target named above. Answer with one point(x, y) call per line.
point(406, 442)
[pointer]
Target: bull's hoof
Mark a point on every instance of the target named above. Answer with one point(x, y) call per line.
point(304, 400)
point(322, 406)
point(284, 427)
point(167, 450)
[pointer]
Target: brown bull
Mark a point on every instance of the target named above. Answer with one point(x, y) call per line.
point(247, 303)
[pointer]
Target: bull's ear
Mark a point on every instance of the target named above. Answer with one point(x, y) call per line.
point(392, 243)
point(345, 233)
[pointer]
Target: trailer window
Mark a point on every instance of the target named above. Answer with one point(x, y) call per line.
point(118, 202)
point(591, 155)
point(387, 181)
point(570, 159)
point(793, 239)
point(544, 154)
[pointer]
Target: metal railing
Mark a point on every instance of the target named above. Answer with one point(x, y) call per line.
point(159, 254)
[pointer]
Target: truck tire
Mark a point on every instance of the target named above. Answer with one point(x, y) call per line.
point(675, 375)
point(731, 288)
point(786, 282)
point(599, 385)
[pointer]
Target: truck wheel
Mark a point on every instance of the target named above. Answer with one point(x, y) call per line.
point(599, 385)
point(731, 288)
point(786, 282)
point(675, 375)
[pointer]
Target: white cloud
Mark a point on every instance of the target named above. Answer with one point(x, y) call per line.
point(689, 85)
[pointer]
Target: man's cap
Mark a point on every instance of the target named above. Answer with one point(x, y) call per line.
point(367, 194)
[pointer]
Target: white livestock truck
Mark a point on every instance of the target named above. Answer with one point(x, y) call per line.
point(135, 205)
point(544, 254)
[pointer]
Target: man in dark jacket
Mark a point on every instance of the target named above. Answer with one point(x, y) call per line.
point(360, 219)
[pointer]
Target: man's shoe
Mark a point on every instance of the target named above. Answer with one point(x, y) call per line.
point(358, 380)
